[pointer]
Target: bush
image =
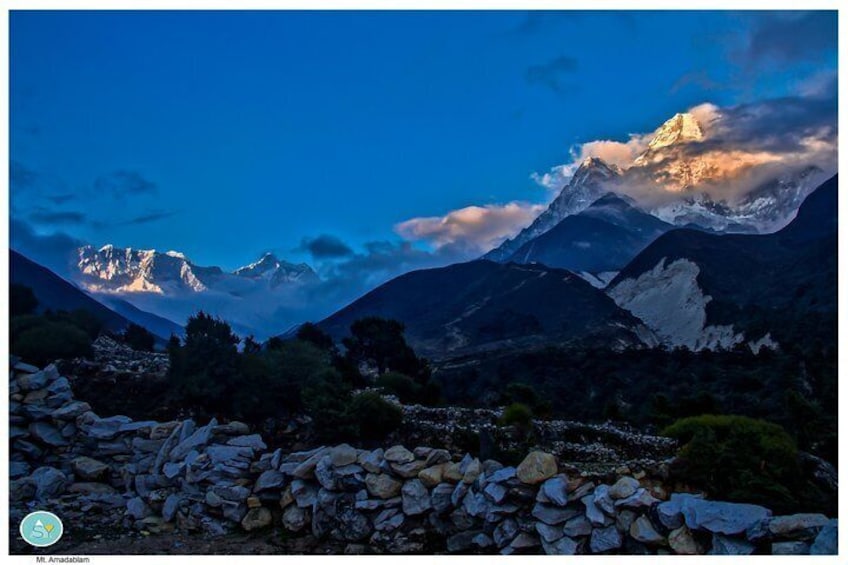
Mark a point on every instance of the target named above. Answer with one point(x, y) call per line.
point(518, 415)
point(326, 398)
point(44, 341)
point(138, 338)
point(376, 417)
point(407, 390)
point(738, 458)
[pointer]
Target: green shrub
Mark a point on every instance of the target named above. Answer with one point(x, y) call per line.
point(375, 416)
point(407, 390)
point(737, 458)
point(43, 342)
point(518, 415)
point(326, 398)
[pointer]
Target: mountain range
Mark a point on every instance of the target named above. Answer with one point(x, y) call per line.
point(592, 229)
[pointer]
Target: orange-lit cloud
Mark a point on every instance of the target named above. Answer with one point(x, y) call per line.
point(475, 228)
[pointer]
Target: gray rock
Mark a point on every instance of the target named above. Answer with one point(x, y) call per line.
point(603, 500)
point(682, 542)
point(719, 517)
point(624, 487)
point(639, 499)
point(138, 509)
point(459, 493)
point(440, 497)
point(398, 454)
point(605, 539)
point(553, 515)
point(306, 468)
point(475, 504)
point(371, 461)
point(724, 545)
point(416, 499)
point(461, 541)
point(253, 441)
point(382, 485)
point(790, 548)
point(408, 470)
point(89, 469)
point(172, 470)
point(505, 532)
point(503, 475)
point(256, 518)
point(556, 490)
point(326, 473)
point(577, 527)
point(496, 492)
point(71, 410)
point(482, 541)
point(797, 526)
point(593, 512)
point(196, 440)
point(437, 457)
point(472, 471)
point(524, 541)
point(563, 546)
point(49, 482)
point(305, 495)
point(342, 455)
point(826, 543)
point(389, 520)
point(172, 504)
point(625, 519)
point(643, 531)
point(549, 534)
point(39, 380)
point(538, 466)
point(47, 434)
point(271, 479)
point(295, 518)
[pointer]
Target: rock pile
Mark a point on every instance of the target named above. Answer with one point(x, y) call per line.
point(156, 477)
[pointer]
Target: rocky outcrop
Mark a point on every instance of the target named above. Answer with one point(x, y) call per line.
point(157, 477)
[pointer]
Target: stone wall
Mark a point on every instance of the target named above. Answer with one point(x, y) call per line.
point(157, 477)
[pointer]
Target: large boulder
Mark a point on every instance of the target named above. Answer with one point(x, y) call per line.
point(623, 488)
point(729, 518)
point(398, 454)
point(538, 466)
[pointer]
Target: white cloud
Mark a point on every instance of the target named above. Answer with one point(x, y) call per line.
point(476, 229)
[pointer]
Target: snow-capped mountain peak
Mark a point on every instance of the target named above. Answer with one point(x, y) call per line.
point(681, 128)
point(276, 271)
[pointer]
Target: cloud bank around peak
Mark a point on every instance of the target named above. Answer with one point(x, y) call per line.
point(472, 230)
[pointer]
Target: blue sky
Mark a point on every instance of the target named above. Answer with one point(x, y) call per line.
point(227, 134)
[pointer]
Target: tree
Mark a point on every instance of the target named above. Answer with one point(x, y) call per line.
point(380, 343)
point(22, 300)
point(376, 418)
point(311, 333)
point(138, 338)
point(205, 370)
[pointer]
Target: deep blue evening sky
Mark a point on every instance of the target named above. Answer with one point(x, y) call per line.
point(226, 134)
